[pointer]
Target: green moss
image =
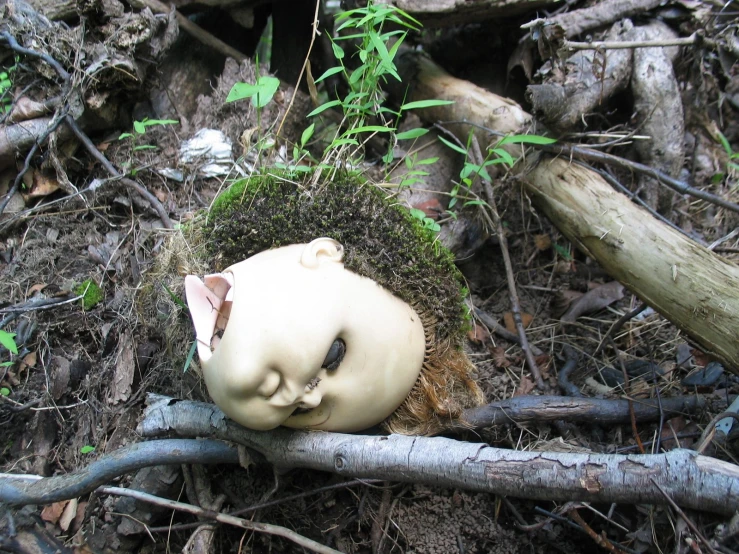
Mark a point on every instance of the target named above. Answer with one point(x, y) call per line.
point(90, 292)
point(382, 240)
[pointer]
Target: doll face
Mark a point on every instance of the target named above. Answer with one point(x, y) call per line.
point(290, 337)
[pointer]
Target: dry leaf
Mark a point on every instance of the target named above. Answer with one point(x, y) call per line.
point(68, 515)
point(52, 512)
point(432, 208)
point(542, 242)
point(162, 195)
point(59, 377)
point(524, 387)
point(38, 287)
point(39, 184)
point(478, 334)
point(25, 109)
point(510, 324)
point(79, 517)
point(29, 360)
point(499, 357)
point(120, 389)
point(595, 300)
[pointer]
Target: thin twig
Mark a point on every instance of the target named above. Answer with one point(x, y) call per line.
point(39, 304)
point(627, 389)
point(695, 38)
point(223, 518)
point(55, 65)
point(302, 69)
point(110, 168)
point(501, 331)
point(599, 540)
point(269, 504)
point(682, 514)
point(709, 431)
point(618, 324)
point(512, 292)
point(31, 153)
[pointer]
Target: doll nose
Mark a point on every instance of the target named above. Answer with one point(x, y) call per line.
point(293, 393)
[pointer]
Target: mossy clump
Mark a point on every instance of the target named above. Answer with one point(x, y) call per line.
point(91, 294)
point(381, 240)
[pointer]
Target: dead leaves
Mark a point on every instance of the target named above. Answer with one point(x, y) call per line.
point(125, 368)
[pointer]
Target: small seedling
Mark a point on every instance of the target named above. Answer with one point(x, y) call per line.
point(4, 391)
point(87, 449)
point(139, 128)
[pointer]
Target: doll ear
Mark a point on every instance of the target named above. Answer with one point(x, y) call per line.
point(205, 301)
point(321, 251)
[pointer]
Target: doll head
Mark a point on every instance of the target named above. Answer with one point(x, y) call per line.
point(360, 327)
point(290, 337)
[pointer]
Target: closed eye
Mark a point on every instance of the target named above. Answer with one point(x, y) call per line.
point(335, 355)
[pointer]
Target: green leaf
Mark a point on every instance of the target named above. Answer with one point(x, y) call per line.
point(5, 391)
point(324, 107)
point(240, 91)
point(526, 139)
point(425, 104)
point(503, 155)
point(453, 146)
point(428, 161)
point(368, 129)
point(724, 143)
point(338, 51)
point(125, 136)
point(413, 133)
point(190, 356)
point(418, 214)
point(153, 122)
point(144, 147)
point(8, 341)
point(342, 142)
point(267, 87)
point(307, 134)
point(139, 127)
point(176, 299)
point(329, 72)
point(87, 449)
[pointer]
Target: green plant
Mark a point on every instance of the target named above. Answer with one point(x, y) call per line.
point(90, 293)
point(87, 449)
point(139, 129)
point(364, 110)
point(4, 391)
point(6, 83)
point(732, 166)
point(496, 155)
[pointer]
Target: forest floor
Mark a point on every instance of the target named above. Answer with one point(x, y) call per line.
point(76, 387)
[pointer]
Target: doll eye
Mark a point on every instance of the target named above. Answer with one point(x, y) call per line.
point(335, 355)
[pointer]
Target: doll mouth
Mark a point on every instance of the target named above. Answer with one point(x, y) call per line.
point(311, 417)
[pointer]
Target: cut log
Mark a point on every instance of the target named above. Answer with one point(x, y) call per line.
point(442, 13)
point(688, 284)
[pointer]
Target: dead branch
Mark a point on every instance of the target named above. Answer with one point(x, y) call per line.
point(602, 13)
point(694, 39)
point(19, 491)
point(597, 411)
point(442, 13)
point(687, 283)
point(590, 78)
point(691, 480)
point(223, 518)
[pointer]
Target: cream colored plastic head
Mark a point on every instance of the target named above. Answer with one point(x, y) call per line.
point(290, 337)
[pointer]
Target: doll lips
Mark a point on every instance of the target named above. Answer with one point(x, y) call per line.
point(313, 416)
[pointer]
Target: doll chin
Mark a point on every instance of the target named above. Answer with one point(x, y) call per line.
point(307, 418)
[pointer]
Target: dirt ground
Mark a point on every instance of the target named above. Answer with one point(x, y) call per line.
point(77, 386)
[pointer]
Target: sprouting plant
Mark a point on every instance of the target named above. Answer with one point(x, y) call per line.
point(139, 129)
point(363, 107)
point(8, 341)
point(496, 155)
point(732, 166)
point(87, 449)
point(428, 222)
point(6, 83)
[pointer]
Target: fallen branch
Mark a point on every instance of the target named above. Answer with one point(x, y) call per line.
point(19, 491)
point(691, 480)
point(687, 283)
point(596, 411)
point(223, 518)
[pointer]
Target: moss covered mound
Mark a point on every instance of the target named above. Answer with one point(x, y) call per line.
point(382, 240)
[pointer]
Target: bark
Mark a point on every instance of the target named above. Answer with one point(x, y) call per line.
point(659, 108)
point(691, 480)
point(600, 14)
point(442, 13)
point(688, 284)
point(18, 138)
point(591, 78)
point(597, 411)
